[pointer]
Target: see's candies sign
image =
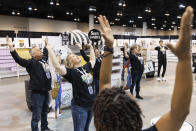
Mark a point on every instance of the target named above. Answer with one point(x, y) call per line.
point(94, 35)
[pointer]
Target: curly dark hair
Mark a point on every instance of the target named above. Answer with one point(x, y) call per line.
point(114, 110)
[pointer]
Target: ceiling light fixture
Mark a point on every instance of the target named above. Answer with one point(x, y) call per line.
point(131, 21)
point(92, 9)
point(111, 23)
point(57, 3)
point(181, 6)
point(153, 19)
point(173, 22)
point(161, 28)
point(169, 29)
point(139, 17)
point(124, 4)
point(67, 13)
point(178, 27)
point(124, 25)
point(155, 27)
point(153, 24)
point(179, 17)
point(119, 13)
point(148, 10)
point(77, 19)
point(18, 13)
point(71, 13)
point(35, 9)
point(117, 19)
point(167, 14)
point(30, 8)
point(51, 2)
point(13, 12)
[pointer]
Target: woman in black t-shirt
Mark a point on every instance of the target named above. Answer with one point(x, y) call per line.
point(83, 89)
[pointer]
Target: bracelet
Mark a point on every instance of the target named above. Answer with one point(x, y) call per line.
point(108, 54)
point(111, 50)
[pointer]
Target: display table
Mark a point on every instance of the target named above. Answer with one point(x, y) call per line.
point(185, 127)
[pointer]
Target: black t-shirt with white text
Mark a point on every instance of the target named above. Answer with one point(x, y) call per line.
point(83, 92)
point(161, 52)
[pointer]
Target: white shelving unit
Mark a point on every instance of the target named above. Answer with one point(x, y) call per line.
point(116, 67)
point(8, 67)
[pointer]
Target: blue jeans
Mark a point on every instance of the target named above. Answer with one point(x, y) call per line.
point(96, 83)
point(81, 117)
point(136, 78)
point(123, 72)
point(128, 78)
point(40, 108)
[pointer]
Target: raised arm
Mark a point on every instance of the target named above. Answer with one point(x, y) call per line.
point(22, 62)
point(92, 56)
point(86, 58)
point(182, 93)
point(45, 54)
point(61, 69)
point(106, 66)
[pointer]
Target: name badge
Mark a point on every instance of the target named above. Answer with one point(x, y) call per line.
point(90, 90)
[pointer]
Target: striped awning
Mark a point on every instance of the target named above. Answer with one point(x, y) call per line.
point(77, 36)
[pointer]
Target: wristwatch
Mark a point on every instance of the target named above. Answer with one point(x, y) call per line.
point(111, 50)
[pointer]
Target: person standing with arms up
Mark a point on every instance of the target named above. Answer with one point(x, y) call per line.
point(96, 69)
point(39, 83)
point(82, 83)
point(162, 60)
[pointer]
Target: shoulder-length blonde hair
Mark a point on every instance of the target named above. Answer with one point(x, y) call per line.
point(68, 63)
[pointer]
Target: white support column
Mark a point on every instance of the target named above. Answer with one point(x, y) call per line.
point(91, 22)
point(175, 30)
point(144, 28)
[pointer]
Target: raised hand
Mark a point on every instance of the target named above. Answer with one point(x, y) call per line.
point(182, 48)
point(46, 41)
point(9, 42)
point(106, 31)
point(47, 44)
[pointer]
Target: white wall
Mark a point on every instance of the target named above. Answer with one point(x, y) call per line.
point(46, 25)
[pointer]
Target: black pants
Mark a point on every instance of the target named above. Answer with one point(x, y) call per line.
point(96, 84)
point(40, 109)
point(136, 78)
point(160, 64)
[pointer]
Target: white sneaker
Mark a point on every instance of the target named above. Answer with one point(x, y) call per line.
point(158, 79)
point(163, 79)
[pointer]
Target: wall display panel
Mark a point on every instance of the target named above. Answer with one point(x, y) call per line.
point(56, 41)
point(36, 42)
point(21, 43)
point(131, 42)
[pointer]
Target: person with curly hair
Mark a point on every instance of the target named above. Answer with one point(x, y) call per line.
point(116, 110)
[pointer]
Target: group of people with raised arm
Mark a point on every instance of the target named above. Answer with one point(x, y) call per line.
point(113, 109)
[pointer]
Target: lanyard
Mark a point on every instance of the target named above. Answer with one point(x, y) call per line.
point(83, 72)
point(43, 64)
point(99, 59)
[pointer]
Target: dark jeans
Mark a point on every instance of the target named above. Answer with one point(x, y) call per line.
point(96, 83)
point(160, 64)
point(123, 72)
point(81, 117)
point(136, 78)
point(40, 108)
